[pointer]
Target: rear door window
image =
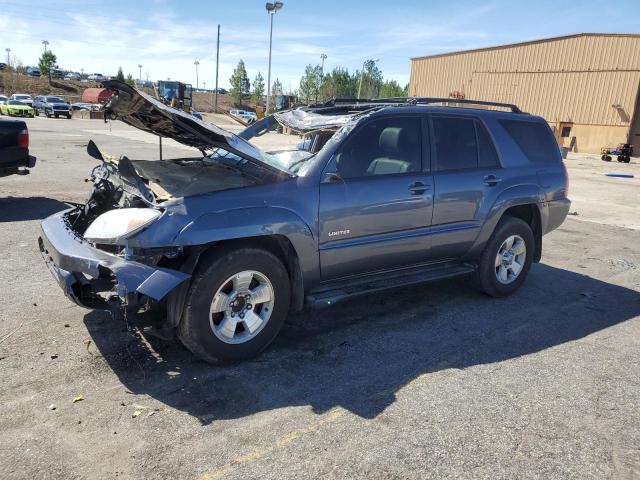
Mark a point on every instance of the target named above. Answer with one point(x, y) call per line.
point(534, 139)
point(455, 143)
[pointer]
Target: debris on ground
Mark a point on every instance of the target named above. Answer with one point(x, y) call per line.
point(77, 399)
point(54, 356)
point(573, 213)
point(52, 407)
point(136, 413)
point(619, 175)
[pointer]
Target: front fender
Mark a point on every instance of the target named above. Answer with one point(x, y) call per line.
point(525, 194)
point(243, 223)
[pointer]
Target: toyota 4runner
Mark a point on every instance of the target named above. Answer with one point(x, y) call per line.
point(220, 246)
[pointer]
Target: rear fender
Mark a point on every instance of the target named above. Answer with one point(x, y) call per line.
point(513, 196)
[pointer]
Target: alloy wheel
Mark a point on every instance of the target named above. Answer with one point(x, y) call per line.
point(510, 259)
point(241, 307)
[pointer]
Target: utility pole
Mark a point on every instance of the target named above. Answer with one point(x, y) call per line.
point(8, 50)
point(196, 63)
point(140, 72)
point(215, 104)
point(272, 8)
point(45, 43)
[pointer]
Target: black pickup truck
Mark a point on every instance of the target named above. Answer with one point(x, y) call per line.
point(14, 148)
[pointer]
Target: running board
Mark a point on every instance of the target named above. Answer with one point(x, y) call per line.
point(340, 290)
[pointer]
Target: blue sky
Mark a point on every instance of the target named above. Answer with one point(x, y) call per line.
point(166, 37)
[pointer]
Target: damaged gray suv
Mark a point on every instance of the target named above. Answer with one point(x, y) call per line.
point(220, 246)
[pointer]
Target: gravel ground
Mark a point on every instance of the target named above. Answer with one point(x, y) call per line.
point(434, 381)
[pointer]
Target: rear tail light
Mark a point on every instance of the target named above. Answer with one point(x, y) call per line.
point(566, 180)
point(23, 139)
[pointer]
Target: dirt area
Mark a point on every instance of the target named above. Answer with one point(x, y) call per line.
point(434, 381)
point(71, 90)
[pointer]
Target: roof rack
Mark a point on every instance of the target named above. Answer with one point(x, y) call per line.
point(422, 101)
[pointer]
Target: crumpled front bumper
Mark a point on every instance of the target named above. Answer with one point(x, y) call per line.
point(83, 271)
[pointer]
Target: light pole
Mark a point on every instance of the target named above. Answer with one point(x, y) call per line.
point(215, 103)
point(323, 57)
point(196, 63)
point(362, 74)
point(204, 86)
point(272, 8)
point(45, 43)
point(8, 50)
point(140, 72)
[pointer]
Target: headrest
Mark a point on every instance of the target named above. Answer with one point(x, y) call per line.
point(389, 141)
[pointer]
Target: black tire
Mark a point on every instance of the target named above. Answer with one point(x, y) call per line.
point(57, 116)
point(486, 279)
point(68, 117)
point(195, 330)
point(620, 158)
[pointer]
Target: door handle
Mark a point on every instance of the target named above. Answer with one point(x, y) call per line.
point(418, 188)
point(492, 180)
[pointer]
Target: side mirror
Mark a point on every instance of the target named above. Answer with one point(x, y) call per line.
point(93, 151)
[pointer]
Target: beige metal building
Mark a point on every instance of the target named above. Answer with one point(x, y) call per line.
point(585, 85)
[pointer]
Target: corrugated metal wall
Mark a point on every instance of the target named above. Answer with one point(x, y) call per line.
point(575, 78)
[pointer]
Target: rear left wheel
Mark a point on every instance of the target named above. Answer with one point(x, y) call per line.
point(236, 305)
point(507, 258)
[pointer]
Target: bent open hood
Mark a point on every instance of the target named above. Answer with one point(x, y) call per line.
point(146, 113)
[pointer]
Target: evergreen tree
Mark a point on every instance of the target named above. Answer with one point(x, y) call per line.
point(258, 88)
point(240, 84)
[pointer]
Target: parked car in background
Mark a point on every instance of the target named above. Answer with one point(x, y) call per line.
point(15, 108)
point(22, 98)
point(221, 91)
point(196, 114)
point(72, 76)
point(14, 148)
point(3, 66)
point(247, 117)
point(52, 106)
point(97, 77)
point(3, 99)
point(227, 242)
point(33, 71)
point(82, 106)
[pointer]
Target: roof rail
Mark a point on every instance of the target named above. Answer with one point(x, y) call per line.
point(426, 100)
point(422, 101)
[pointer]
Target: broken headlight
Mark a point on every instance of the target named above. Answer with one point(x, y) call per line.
point(114, 225)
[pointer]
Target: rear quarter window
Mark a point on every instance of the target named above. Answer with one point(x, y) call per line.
point(534, 139)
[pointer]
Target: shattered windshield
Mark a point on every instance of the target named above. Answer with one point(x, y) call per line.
point(291, 161)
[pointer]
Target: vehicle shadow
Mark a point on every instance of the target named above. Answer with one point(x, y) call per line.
point(16, 209)
point(358, 354)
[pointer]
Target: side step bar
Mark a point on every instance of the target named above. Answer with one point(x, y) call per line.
point(340, 290)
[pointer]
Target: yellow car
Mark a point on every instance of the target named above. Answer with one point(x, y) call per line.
point(14, 108)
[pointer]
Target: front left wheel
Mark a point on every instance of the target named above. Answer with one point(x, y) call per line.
point(236, 305)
